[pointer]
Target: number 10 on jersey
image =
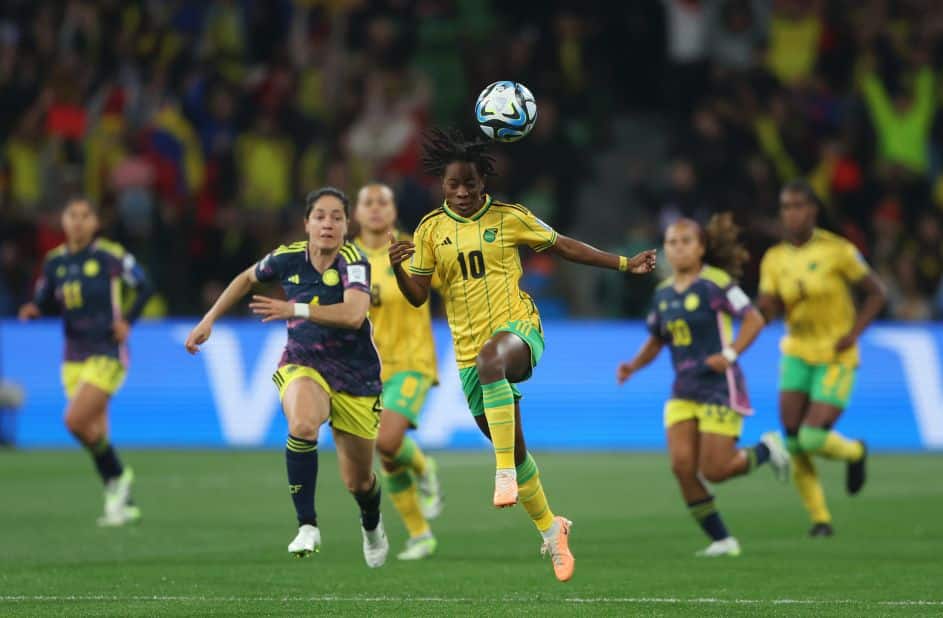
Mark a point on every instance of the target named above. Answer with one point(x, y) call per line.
point(474, 265)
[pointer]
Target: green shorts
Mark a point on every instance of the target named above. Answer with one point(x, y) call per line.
point(405, 393)
point(532, 336)
point(826, 383)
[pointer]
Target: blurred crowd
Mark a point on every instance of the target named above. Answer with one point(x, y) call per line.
point(198, 126)
point(845, 94)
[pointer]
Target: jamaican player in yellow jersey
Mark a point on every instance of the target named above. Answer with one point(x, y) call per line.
point(692, 313)
point(403, 336)
point(471, 244)
point(810, 277)
point(83, 279)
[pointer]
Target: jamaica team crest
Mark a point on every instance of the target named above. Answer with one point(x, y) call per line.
point(490, 234)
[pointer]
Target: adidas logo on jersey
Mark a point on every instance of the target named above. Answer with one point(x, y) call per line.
point(447, 241)
point(294, 279)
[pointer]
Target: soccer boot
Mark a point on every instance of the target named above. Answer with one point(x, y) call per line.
point(724, 547)
point(557, 544)
point(306, 542)
point(505, 487)
point(821, 529)
point(119, 510)
point(430, 494)
point(779, 459)
point(418, 548)
point(855, 473)
point(375, 545)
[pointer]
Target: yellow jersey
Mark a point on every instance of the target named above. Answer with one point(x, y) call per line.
point(814, 283)
point(478, 266)
point(401, 332)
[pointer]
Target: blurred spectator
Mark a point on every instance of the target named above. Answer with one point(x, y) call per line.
point(198, 127)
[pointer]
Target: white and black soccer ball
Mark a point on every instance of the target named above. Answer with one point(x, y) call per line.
point(506, 111)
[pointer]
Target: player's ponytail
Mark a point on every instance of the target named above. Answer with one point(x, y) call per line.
point(722, 246)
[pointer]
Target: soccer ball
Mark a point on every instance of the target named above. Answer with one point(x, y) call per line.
point(506, 111)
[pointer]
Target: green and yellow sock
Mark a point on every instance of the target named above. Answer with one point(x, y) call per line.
point(499, 410)
point(810, 489)
point(531, 494)
point(410, 456)
point(829, 444)
point(401, 488)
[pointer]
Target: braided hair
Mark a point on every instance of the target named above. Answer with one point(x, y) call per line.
point(442, 147)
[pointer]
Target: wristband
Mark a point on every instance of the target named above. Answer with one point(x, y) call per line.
point(623, 263)
point(729, 354)
point(302, 310)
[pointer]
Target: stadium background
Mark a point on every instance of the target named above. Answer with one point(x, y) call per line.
point(198, 126)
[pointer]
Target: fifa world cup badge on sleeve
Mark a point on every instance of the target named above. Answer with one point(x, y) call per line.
point(357, 274)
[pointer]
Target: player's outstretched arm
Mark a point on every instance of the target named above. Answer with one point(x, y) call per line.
point(237, 288)
point(875, 296)
point(646, 355)
point(576, 251)
point(347, 314)
point(28, 311)
point(414, 287)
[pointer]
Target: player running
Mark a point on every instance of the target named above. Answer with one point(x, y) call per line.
point(810, 277)
point(403, 335)
point(329, 371)
point(84, 279)
point(692, 314)
point(471, 244)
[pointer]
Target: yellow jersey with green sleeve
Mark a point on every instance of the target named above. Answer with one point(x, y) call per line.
point(401, 332)
point(814, 283)
point(477, 261)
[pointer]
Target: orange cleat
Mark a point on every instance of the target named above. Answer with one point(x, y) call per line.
point(557, 544)
point(505, 487)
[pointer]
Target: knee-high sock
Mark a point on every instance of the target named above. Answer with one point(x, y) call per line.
point(809, 487)
point(707, 516)
point(411, 457)
point(106, 460)
point(301, 460)
point(499, 410)
point(369, 503)
point(531, 494)
point(401, 488)
point(829, 444)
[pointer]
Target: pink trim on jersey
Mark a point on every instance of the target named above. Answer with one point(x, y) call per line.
point(732, 393)
point(123, 355)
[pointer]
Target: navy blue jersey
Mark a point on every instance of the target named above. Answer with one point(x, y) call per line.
point(87, 287)
point(346, 358)
point(697, 323)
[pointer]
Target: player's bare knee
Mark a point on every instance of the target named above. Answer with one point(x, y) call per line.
point(303, 428)
point(359, 484)
point(490, 365)
point(388, 444)
point(714, 473)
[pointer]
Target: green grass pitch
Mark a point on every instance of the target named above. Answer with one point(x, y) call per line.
point(216, 525)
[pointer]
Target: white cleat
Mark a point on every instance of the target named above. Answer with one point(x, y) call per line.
point(779, 459)
point(430, 494)
point(118, 507)
point(418, 548)
point(375, 546)
point(306, 542)
point(725, 547)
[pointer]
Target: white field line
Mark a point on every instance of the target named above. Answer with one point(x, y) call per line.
point(433, 600)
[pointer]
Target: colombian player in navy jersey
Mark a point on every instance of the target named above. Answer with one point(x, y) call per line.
point(329, 371)
point(692, 315)
point(83, 280)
